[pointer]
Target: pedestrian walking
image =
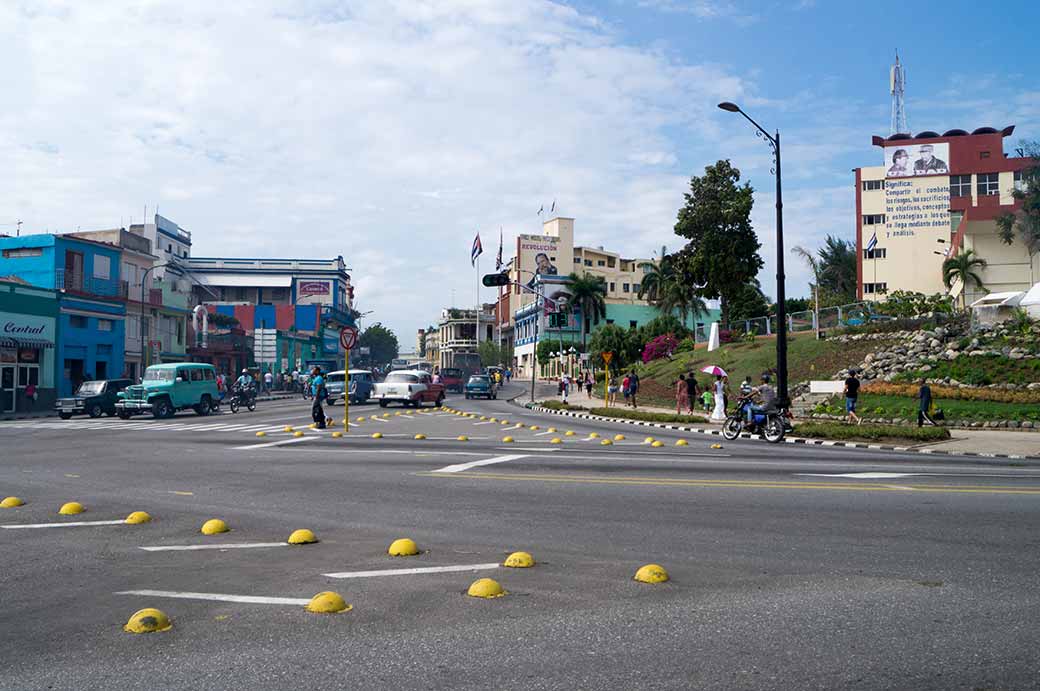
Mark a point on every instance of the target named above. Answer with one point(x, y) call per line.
point(692, 390)
point(924, 410)
point(509, 374)
point(320, 394)
point(719, 397)
point(851, 396)
point(682, 394)
point(588, 384)
point(633, 387)
point(565, 382)
point(612, 391)
point(625, 388)
point(707, 400)
point(268, 381)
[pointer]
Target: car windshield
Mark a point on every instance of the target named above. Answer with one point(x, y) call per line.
point(479, 380)
point(91, 388)
point(159, 374)
point(334, 377)
point(400, 377)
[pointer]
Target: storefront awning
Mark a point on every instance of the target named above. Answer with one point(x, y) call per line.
point(9, 342)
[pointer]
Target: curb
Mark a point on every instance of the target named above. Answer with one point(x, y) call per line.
point(787, 440)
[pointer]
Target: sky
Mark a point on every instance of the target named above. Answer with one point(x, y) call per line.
point(392, 131)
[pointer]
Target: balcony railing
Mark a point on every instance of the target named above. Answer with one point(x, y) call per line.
point(76, 282)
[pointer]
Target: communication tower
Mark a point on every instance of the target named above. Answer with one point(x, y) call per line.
point(897, 84)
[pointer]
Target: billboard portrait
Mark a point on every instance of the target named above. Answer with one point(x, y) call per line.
point(911, 160)
point(537, 256)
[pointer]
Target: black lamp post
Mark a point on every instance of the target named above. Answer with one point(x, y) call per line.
point(781, 298)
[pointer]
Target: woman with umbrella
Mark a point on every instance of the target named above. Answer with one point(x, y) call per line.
point(719, 413)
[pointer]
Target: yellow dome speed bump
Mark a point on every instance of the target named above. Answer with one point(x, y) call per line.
point(682, 442)
point(606, 442)
point(313, 425)
point(619, 437)
point(569, 433)
point(148, 620)
point(71, 508)
point(377, 435)
point(649, 440)
point(651, 573)
point(555, 440)
point(138, 517)
point(337, 435)
point(420, 436)
point(551, 430)
point(519, 560)
point(657, 444)
point(261, 434)
point(593, 435)
point(716, 446)
point(507, 440)
point(403, 547)
point(214, 526)
point(485, 588)
point(534, 428)
point(302, 537)
point(328, 603)
point(462, 437)
point(491, 419)
point(359, 419)
point(287, 428)
point(11, 502)
point(297, 433)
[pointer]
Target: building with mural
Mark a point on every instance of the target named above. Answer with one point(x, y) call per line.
point(934, 196)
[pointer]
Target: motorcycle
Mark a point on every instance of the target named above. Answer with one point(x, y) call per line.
point(240, 397)
point(770, 425)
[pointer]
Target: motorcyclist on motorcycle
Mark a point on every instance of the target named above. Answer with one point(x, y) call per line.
point(767, 397)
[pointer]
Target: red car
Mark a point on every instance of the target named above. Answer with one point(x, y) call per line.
point(451, 378)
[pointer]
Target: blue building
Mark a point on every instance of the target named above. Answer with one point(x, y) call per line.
point(91, 301)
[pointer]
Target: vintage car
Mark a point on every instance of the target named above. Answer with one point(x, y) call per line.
point(481, 386)
point(409, 388)
point(361, 383)
point(92, 398)
point(165, 389)
point(452, 379)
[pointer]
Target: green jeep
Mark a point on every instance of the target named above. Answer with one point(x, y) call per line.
point(168, 388)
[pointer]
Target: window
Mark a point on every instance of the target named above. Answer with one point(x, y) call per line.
point(983, 154)
point(207, 374)
point(600, 262)
point(610, 262)
point(23, 252)
point(632, 323)
point(988, 184)
point(876, 253)
point(873, 219)
point(102, 266)
point(869, 185)
point(613, 287)
point(610, 321)
point(577, 260)
point(169, 248)
point(872, 288)
point(77, 321)
point(133, 327)
point(1020, 184)
point(960, 185)
point(588, 262)
point(196, 374)
point(626, 288)
point(104, 324)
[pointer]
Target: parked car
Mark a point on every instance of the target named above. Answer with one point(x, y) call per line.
point(165, 389)
point(361, 383)
point(92, 398)
point(481, 386)
point(409, 388)
point(452, 379)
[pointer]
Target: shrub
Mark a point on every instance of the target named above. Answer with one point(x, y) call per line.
point(954, 393)
point(660, 347)
point(827, 430)
point(559, 405)
point(629, 414)
point(686, 345)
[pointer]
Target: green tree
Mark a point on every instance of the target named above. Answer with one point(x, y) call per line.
point(748, 302)
point(668, 286)
point(1026, 220)
point(964, 268)
point(589, 294)
point(611, 338)
point(381, 342)
point(722, 253)
point(814, 266)
point(837, 270)
point(490, 354)
point(223, 321)
point(658, 326)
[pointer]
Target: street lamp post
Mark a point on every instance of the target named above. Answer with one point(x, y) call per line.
point(781, 297)
point(144, 356)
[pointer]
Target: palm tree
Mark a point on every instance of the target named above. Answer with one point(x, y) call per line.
point(589, 294)
point(814, 266)
point(665, 287)
point(963, 268)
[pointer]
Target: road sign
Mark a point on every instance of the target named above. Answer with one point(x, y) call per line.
point(347, 337)
point(607, 357)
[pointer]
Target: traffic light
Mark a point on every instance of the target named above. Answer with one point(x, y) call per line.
point(492, 280)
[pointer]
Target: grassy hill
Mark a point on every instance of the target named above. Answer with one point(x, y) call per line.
point(807, 358)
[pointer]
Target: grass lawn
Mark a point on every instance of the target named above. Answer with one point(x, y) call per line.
point(874, 405)
point(981, 370)
point(807, 358)
point(871, 433)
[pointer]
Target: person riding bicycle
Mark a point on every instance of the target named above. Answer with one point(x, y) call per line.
point(766, 395)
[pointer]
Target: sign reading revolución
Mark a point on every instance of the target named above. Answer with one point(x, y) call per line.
point(913, 205)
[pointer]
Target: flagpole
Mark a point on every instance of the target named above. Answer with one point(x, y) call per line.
point(476, 332)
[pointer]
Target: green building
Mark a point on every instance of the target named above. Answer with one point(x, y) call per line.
point(28, 338)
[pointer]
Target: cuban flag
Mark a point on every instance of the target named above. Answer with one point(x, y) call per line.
point(477, 250)
point(872, 243)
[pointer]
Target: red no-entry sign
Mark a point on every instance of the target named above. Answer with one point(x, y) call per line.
point(348, 337)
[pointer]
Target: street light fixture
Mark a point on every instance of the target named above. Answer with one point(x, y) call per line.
point(781, 297)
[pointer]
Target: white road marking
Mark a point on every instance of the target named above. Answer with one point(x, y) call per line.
point(863, 476)
point(408, 572)
point(458, 468)
point(190, 548)
point(484, 423)
point(71, 524)
point(542, 434)
point(218, 597)
point(294, 440)
point(507, 429)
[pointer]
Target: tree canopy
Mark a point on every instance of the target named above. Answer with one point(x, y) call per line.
point(588, 293)
point(721, 254)
point(1026, 221)
point(381, 342)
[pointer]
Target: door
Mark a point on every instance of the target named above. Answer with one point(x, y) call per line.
point(6, 388)
point(74, 271)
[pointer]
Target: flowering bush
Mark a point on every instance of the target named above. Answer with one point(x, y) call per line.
point(686, 345)
point(662, 346)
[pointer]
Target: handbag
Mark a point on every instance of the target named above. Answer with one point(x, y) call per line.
point(938, 414)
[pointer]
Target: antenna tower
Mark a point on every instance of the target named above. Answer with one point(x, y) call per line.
point(897, 85)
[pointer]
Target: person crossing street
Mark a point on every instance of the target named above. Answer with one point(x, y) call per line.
point(319, 394)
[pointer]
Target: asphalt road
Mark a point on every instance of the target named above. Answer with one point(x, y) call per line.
point(789, 567)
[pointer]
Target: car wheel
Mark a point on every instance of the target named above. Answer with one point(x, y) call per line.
point(204, 406)
point(382, 404)
point(95, 411)
point(123, 416)
point(65, 416)
point(162, 409)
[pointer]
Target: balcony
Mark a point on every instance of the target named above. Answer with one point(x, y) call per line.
point(77, 283)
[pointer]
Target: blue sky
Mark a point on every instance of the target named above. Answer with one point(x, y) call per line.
point(389, 131)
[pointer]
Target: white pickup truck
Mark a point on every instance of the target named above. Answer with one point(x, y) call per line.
point(409, 388)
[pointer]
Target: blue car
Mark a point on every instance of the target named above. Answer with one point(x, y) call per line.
point(481, 386)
